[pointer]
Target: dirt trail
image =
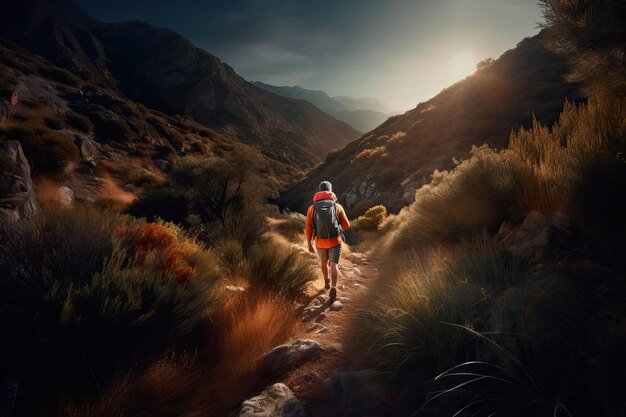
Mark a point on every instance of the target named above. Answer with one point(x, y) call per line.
point(357, 275)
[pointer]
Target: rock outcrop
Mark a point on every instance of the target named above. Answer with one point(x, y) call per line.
point(17, 193)
point(275, 401)
point(287, 357)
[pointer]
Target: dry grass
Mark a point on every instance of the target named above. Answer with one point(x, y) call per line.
point(211, 383)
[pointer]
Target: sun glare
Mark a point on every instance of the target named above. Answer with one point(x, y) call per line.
point(461, 65)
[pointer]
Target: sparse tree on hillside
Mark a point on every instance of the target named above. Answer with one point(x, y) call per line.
point(592, 34)
point(485, 63)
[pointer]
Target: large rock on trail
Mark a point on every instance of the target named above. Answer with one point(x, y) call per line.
point(17, 193)
point(275, 401)
point(284, 358)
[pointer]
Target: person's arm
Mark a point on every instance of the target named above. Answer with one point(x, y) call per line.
point(343, 218)
point(309, 229)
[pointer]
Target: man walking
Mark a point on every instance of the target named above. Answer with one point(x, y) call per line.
point(325, 220)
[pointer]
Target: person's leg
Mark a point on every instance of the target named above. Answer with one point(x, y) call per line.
point(334, 274)
point(325, 268)
point(333, 256)
point(323, 253)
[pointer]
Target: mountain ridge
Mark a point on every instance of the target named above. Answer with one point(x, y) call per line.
point(164, 70)
point(363, 114)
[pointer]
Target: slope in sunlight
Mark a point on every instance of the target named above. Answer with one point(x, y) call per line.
point(387, 165)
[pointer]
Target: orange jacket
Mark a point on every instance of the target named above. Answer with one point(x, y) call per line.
point(325, 243)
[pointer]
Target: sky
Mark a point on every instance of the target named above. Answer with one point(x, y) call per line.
point(400, 51)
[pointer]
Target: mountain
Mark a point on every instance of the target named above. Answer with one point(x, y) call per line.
point(386, 165)
point(366, 103)
point(163, 70)
point(363, 114)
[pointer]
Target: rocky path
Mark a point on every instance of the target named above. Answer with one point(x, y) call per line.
point(311, 371)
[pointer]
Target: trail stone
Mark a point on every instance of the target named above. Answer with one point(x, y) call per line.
point(284, 358)
point(17, 192)
point(336, 306)
point(335, 347)
point(316, 328)
point(356, 258)
point(275, 401)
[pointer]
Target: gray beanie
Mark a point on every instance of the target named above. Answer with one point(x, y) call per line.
point(326, 186)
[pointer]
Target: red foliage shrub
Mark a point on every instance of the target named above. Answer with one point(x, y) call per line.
point(161, 243)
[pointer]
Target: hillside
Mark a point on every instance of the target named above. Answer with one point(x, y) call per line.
point(163, 70)
point(363, 114)
point(388, 164)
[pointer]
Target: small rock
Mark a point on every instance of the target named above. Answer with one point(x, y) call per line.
point(316, 328)
point(335, 347)
point(275, 401)
point(356, 258)
point(336, 306)
point(284, 358)
point(234, 288)
point(66, 195)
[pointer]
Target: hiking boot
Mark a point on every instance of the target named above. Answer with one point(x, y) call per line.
point(327, 284)
point(333, 294)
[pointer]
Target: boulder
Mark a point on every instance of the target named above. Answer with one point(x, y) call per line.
point(17, 193)
point(287, 357)
point(275, 401)
point(355, 390)
point(88, 150)
point(532, 237)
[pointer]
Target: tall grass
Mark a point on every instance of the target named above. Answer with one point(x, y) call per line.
point(407, 329)
point(279, 270)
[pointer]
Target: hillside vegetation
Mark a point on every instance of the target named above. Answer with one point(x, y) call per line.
point(386, 165)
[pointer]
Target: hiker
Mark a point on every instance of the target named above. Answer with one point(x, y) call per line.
point(325, 221)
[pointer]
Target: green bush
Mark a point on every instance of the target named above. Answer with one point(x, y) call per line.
point(78, 121)
point(47, 151)
point(76, 306)
point(279, 270)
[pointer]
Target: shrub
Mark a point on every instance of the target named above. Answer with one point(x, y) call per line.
point(478, 194)
point(168, 247)
point(372, 219)
point(109, 127)
point(292, 227)
point(53, 123)
point(61, 75)
point(278, 270)
point(78, 121)
point(77, 307)
point(46, 151)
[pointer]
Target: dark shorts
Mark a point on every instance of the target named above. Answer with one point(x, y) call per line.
point(331, 254)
